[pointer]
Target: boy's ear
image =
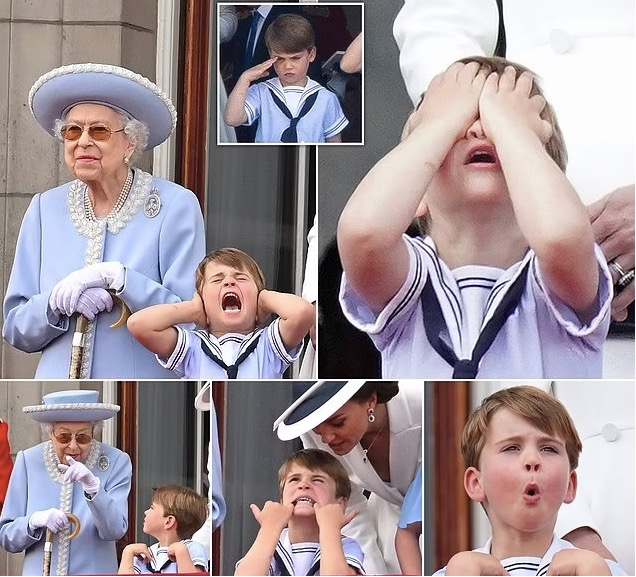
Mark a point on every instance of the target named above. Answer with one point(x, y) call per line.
point(344, 502)
point(473, 486)
point(170, 522)
point(573, 482)
point(312, 54)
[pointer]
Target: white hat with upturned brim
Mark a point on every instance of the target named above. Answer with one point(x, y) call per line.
point(57, 91)
point(77, 406)
point(314, 403)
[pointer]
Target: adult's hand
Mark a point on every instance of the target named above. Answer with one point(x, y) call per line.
point(66, 293)
point(93, 301)
point(76, 472)
point(53, 519)
point(612, 219)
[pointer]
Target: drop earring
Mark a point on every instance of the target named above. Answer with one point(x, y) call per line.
point(371, 415)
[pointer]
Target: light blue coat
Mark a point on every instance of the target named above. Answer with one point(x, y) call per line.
point(160, 253)
point(104, 518)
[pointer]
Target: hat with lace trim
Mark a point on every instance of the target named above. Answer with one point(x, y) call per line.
point(77, 406)
point(57, 91)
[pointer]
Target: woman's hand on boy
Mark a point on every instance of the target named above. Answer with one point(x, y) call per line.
point(474, 563)
point(453, 98)
point(505, 102)
point(578, 562)
point(274, 516)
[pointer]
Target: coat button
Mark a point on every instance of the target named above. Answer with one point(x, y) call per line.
point(610, 432)
point(560, 41)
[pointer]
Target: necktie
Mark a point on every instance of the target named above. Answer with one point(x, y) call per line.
point(248, 57)
point(434, 325)
point(290, 134)
point(231, 370)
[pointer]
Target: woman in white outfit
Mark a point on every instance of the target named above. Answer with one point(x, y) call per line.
point(375, 430)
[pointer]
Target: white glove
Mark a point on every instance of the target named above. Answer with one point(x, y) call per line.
point(93, 301)
point(79, 473)
point(66, 293)
point(52, 519)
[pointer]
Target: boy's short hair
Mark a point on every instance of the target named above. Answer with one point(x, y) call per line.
point(289, 34)
point(318, 460)
point(234, 258)
point(188, 507)
point(541, 409)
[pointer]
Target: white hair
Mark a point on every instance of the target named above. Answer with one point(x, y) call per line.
point(135, 130)
point(96, 426)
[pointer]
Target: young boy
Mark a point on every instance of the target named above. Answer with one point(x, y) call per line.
point(521, 450)
point(291, 107)
point(301, 534)
point(508, 282)
point(175, 514)
point(229, 304)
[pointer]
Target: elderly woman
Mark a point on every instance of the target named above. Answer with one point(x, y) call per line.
point(114, 230)
point(69, 473)
point(375, 430)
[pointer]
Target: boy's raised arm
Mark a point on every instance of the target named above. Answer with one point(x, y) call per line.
point(235, 114)
point(154, 326)
point(331, 518)
point(296, 315)
point(273, 518)
point(374, 256)
point(550, 214)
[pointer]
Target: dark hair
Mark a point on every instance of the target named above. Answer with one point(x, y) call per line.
point(384, 390)
point(290, 33)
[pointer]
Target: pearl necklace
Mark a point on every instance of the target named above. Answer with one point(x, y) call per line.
point(123, 196)
point(365, 451)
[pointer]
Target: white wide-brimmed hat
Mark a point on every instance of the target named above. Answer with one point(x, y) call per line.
point(203, 400)
point(314, 403)
point(77, 406)
point(57, 91)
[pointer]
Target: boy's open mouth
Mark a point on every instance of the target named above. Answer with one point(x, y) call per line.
point(231, 303)
point(532, 490)
point(304, 500)
point(482, 155)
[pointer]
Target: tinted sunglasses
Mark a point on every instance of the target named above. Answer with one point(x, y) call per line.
point(97, 132)
point(80, 438)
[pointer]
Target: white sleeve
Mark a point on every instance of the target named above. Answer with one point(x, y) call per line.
point(432, 34)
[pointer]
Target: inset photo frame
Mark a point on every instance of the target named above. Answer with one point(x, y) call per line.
point(290, 73)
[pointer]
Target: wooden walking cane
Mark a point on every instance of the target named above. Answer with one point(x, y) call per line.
point(48, 544)
point(81, 326)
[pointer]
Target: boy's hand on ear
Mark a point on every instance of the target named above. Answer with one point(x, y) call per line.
point(578, 562)
point(452, 97)
point(505, 103)
point(274, 516)
point(474, 563)
point(200, 318)
point(263, 308)
point(333, 515)
point(259, 71)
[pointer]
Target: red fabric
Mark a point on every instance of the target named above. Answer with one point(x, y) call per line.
point(6, 464)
